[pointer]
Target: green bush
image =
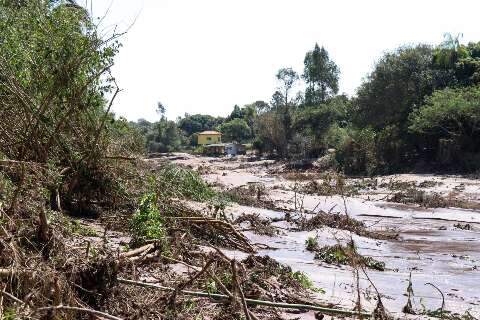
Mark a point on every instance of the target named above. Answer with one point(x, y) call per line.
point(199, 150)
point(356, 151)
point(311, 244)
point(147, 223)
point(347, 255)
point(304, 281)
point(182, 183)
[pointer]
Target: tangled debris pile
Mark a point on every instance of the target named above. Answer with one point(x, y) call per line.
point(330, 184)
point(257, 224)
point(343, 255)
point(60, 268)
point(340, 221)
point(427, 199)
point(252, 195)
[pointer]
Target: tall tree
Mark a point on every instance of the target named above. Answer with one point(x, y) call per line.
point(236, 130)
point(278, 100)
point(398, 84)
point(161, 109)
point(236, 113)
point(195, 123)
point(462, 61)
point(288, 77)
point(321, 75)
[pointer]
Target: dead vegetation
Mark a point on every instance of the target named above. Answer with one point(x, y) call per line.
point(440, 313)
point(253, 195)
point(63, 154)
point(330, 184)
point(257, 224)
point(342, 222)
point(412, 195)
point(343, 255)
point(47, 270)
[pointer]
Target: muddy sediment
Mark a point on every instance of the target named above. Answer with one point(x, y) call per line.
point(423, 241)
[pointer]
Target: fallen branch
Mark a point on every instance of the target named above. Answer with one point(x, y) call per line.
point(249, 301)
point(120, 158)
point(145, 249)
point(228, 293)
point(182, 286)
point(232, 236)
point(7, 162)
point(239, 288)
point(5, 273)
point(90, 311)
point(180, 262)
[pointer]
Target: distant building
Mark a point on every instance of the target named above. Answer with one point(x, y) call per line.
point(220, 149)
point(209, 137)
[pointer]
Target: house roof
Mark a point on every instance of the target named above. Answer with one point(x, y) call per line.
point(210, 133)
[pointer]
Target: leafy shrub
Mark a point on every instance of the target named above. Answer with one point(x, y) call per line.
point(311, 244)
point(347, 255)
point(304, 281)
point(356, 152)
point(147, 222)
point(199, 150)
point(236, 130)
point(448, 122)
point(177, 182)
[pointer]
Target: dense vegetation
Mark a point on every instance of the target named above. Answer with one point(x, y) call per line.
point(418, 109)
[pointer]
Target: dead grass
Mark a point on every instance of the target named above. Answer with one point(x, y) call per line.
point(258, 225)
point(253, 195)
point(432, 199)
point(340, 221)
point(346, 255)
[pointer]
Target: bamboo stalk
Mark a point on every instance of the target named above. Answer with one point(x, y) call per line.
point(250, 301)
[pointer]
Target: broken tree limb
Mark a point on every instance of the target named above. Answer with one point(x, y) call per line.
point(228, 293)
point(43, 230)
point(7, 162)
point(6, 273)
point(10, 296)
point(232, 236)
point(249, 301)
point(144, 249)
point(180, 262)
point(180, 288)
point(121, 158)
point(240, 291)
point(85, 310)
point(1, 301)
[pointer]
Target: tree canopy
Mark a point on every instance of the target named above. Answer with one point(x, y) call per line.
point(321, 76)
point(236, 130)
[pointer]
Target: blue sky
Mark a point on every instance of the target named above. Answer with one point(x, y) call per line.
point(204, 56)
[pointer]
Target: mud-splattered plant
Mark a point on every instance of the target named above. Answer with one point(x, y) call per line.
point(147, 223)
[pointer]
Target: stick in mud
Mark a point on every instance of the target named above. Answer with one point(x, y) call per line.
point(85, 310)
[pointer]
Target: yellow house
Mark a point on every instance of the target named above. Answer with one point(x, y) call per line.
point(209, 137)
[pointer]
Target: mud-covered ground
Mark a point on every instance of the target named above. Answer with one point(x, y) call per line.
point(437, 243)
